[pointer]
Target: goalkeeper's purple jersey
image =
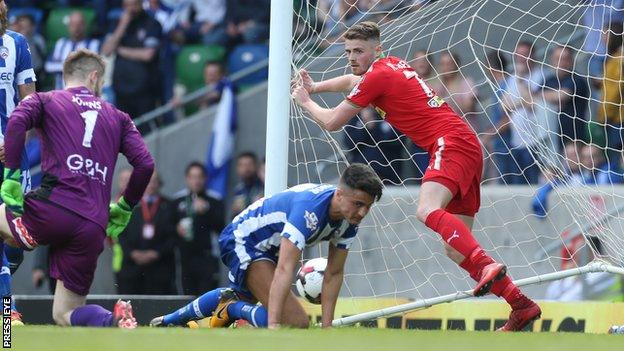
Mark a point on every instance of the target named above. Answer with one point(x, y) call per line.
point(81, 137)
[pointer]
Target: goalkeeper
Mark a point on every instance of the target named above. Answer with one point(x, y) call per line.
point(81, 138)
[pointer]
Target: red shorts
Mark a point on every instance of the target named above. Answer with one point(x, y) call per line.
point(457, 163)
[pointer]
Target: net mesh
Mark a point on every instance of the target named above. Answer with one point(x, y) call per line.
point(538, 119)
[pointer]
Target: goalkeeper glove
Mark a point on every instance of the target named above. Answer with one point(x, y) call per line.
point(11, 191)
point(118, 217)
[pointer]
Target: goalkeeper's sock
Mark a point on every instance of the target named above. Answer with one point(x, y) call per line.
point(257, 315)
point(453, 231)
point(91, 316)
point(199, 308)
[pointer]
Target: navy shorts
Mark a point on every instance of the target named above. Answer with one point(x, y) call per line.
point(237, 257)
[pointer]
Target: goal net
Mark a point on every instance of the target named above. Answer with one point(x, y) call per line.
point(523, 112)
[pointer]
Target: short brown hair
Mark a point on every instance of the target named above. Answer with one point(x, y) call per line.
point(359, 176)
point(363, 31)
point(81, 62)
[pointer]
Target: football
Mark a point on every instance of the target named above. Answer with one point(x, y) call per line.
point(310, 279)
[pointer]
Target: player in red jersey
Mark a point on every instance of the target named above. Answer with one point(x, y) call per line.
point(450, 192)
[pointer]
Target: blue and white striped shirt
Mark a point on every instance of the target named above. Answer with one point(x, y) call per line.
point(62, 49)
point(15, 69)
point(300, 214)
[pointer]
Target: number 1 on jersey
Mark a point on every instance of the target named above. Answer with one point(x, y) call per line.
point(89, 117)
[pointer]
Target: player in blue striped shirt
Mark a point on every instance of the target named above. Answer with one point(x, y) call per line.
point(263, 244)
point(17, 80)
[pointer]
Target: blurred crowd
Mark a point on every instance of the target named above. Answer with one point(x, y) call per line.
point(550, 118)
point(143, 41)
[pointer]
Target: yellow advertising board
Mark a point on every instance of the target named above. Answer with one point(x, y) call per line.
point(588, 317)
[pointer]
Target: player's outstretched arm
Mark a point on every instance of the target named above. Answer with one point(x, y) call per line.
point(339, 84)
point(332, 282)
point(329, 119)
point(289, 256)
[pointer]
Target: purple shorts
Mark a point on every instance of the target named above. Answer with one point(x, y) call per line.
point(75, 242)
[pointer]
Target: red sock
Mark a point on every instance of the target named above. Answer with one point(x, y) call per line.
point(504, 288)
point(469, 266)
point(453, 231)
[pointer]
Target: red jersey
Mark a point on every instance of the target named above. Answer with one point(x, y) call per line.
point(405, 101)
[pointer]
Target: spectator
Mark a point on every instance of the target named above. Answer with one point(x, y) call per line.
point(122, 181)
point(610, 111)
point(595, 169)
point(213, 75)
point(567, 93)
point(200, 218)
point(147, 243)
point(531, 128)
point(456, 89)
point(328, 13)
point(77, 29)
point(497, 138)
point(248, 20)
point(25, 25)
point(208, 25)
point(569, 173)
point(422, 66)
point(596, 18)
point(585, 165)
point(160, 12)
point(262, 170)
point(41, 269)
point(371, 140)
point(136, 41)
point(350, 10)
point(166, 53)
point(250, 188)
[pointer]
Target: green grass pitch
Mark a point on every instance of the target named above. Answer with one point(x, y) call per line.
point(69, 339)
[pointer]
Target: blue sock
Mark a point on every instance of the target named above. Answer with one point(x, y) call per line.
point(14, 256)
point(199, 308)
point(257, 315)
point(5, 274)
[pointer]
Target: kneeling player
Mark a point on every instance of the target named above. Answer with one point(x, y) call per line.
point(82, 136)
point(262, 247)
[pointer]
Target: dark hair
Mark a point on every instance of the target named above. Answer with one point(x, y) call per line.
point(362, 177)
point(363, 31)
point(215, 62)
point(249, 154)
point(614, 41)
point(497, 61)
point(25, 16)
point(193, 165)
